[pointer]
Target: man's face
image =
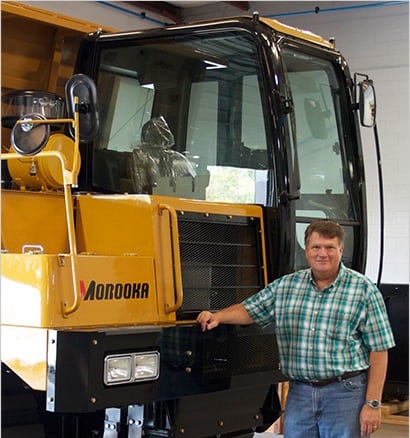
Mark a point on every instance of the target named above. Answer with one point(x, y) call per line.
point(323, 255)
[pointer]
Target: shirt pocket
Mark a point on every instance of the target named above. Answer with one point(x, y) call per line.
point(341, 329)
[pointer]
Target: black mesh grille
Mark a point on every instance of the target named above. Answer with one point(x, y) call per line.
point(253, 353)
point(221, 260)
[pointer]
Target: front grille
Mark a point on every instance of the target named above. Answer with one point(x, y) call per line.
point(253, 353)
point(221, 260)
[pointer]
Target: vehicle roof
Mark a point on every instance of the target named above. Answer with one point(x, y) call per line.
point(273, 24)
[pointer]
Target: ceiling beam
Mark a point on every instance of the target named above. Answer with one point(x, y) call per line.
point(243, 6)
point(174, 13)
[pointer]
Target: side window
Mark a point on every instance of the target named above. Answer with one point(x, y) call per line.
point(320, 136)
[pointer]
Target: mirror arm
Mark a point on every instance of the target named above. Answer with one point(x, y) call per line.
point(75, 123)
point(285, 197)
point(356, 83)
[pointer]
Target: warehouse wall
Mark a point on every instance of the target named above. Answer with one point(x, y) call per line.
point(374, 37)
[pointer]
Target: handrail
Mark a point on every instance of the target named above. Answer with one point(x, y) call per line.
point(67, 309)
point(69, 179)
point(175, 258)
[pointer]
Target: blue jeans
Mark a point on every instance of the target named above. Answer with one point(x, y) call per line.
point(330, 411)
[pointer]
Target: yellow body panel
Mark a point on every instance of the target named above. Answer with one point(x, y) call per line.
point(127, 264)
point(295, 32)
point(33, 218)
point(115, 224)
point(38, 49)
point(50, 17)
point(116, 290)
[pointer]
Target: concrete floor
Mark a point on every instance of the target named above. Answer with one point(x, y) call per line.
point(386, 431)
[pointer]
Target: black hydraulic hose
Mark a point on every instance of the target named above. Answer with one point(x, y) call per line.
point(380, 177)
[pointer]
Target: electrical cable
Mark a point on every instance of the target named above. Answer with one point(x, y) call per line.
point(380, 178)
point(319, 10)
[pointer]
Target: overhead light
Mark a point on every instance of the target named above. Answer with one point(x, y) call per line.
point(210, 65)
point(149, 86)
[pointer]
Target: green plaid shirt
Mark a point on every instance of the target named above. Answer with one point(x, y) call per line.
point(323, 333)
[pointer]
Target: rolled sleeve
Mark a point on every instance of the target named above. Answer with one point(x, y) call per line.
point(260, 306)
point(377, 334)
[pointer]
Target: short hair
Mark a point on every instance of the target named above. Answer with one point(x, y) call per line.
point(327, 228)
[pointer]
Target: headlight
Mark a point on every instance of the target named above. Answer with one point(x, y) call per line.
point(130, 368)
point(146, 366)
point(118, 369)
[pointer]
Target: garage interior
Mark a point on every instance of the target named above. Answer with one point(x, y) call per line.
point(372, 36)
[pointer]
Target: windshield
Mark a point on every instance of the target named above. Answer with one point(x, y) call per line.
point(183, 117)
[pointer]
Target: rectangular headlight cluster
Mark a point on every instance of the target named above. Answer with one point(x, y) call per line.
point(131, 367)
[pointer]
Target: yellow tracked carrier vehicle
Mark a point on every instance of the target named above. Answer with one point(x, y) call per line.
point(176, 172)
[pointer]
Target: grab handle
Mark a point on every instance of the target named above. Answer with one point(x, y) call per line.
point(68, 176)
point(169, 308)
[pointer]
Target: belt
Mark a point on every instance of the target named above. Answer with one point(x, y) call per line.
point(340, 378)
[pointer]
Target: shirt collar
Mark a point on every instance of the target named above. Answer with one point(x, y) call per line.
point(340, 274)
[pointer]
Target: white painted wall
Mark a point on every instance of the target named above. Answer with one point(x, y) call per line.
point(375, 41)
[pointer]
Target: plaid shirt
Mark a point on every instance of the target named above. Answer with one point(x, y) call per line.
point(323, 333)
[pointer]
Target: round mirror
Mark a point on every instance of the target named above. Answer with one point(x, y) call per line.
point(30, 138)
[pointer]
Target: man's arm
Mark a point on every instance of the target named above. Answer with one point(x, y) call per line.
point(236, 314)
point(370, 418)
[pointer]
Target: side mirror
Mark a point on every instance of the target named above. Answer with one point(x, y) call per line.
point(31, 133)
point(84, 88)
point(367, 103)
point(29, 138)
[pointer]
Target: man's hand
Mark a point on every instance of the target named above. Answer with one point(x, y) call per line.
point(235, 314)
point(370, 420)
point(207, 320)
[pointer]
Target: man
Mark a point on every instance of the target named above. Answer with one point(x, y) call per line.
point(333, 335)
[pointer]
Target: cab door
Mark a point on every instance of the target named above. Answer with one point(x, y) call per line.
point(328, 148)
